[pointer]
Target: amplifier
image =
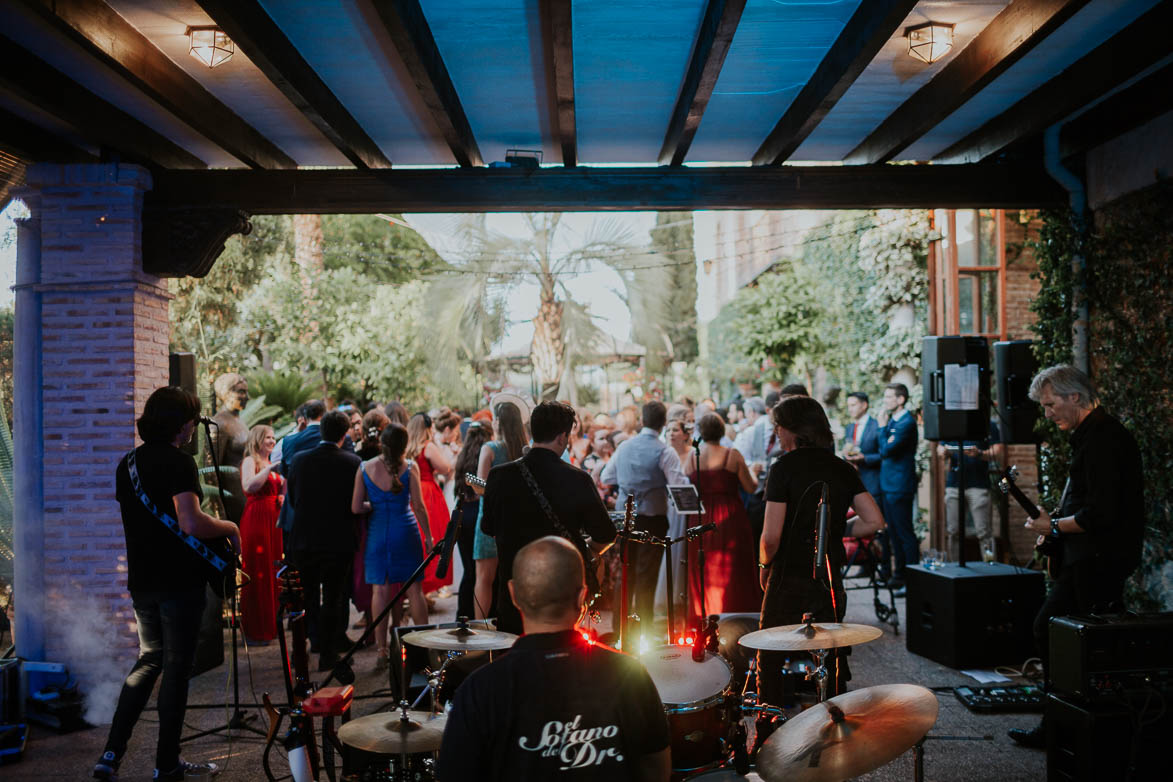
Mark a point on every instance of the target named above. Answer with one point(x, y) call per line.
point(1101, 656)
point(972, 617)
point(1092, 743)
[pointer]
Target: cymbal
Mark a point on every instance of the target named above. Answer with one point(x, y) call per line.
point(386, 734)
point(820, 635)
point(460, 639)
point(848, 735)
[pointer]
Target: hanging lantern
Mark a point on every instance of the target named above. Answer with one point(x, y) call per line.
point(209, 44)
point(930, 41)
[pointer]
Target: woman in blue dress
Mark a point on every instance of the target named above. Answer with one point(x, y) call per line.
point(388, 487)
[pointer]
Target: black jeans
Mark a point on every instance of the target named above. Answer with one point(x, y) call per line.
point(325, 576)
point(644, 562)
point(168, 626)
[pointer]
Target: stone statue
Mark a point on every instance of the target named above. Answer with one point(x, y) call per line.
point(229, 438)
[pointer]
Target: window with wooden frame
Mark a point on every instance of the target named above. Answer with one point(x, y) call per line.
point(967, 269)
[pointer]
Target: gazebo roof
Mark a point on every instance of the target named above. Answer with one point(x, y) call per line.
point(357, 87)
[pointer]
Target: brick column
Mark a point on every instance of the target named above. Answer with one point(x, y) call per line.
point(104, 347)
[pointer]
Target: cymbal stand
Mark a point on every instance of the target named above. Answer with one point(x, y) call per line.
point(819, 674)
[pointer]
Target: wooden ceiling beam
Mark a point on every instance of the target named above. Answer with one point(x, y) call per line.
point(256, 34)
point(31, 142)
point(558, 37)
point(1135, 48)
point(409, 31)
point(871, 26)
point(1014, 32)
point(1131, 107)
point(31, 79)
point(347, 191)
point(708, 55)
point(109, 38)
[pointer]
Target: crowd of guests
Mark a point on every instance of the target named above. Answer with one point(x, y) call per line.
point(397, 480)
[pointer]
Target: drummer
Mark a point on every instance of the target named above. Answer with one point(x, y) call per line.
point(556, 704)
point(787, 548)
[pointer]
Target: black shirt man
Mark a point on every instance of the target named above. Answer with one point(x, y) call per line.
point(556, 706)
point(514, 516)
point(1100, 521)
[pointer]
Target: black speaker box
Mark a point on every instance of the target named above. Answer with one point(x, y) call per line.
point(183, 374)
point(1095, 743)
point(972, 617)
point(210, 643)
point(1014, 367)
point(940, 358)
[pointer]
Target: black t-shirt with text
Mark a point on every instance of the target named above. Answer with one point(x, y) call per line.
point(554, 707)
point(157, 560)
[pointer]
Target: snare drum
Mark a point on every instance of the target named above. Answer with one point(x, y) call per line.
point(694, 699)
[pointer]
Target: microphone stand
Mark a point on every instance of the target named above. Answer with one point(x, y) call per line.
point(700, 552)
point(239, 719)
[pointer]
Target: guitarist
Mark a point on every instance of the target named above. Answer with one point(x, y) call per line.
point(513, 508)
point(166, 577)
point(1100, 522)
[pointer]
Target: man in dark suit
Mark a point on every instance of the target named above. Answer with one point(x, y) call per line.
point(862, 446)
point(324, 535)
point(898, 481)
point(513, 513)
point(290, 446)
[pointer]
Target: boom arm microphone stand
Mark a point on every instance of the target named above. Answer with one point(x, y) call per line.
point(239, 719)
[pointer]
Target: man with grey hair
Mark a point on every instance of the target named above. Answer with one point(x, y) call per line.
point(1099, 527)
point(557, 704)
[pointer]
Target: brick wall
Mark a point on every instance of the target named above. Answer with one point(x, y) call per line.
point(104, 349)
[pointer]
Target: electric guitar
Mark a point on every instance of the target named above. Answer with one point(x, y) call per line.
point(1051, 546)
point(476, 484)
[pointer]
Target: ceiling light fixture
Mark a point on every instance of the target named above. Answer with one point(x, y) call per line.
point(209, 45)
point(930, 41)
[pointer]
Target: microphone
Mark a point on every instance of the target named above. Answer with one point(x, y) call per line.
point(821, 540)
point(450, 537)
point(700, 529)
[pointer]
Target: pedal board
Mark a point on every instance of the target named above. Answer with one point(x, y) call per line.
point(1001, 698)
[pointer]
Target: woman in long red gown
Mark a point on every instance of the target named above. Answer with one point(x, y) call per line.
point(731, 572)
point(432, 461)
point(260, 537)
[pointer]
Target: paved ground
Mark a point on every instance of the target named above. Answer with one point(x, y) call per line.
point(962, 745)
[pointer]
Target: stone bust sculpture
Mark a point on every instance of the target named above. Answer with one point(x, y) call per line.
point(229, 438)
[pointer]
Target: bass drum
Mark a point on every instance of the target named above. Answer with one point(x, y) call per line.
point(695, 700)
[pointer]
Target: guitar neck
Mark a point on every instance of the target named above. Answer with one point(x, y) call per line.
point(1024, 502)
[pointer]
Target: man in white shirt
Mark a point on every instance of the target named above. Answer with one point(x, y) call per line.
point(644, 466)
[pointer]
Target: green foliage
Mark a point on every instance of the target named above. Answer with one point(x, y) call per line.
point(287, 389)
point(257, 411)
point(777, 320)
point(672, 238)
point(1129, 282)
point(377, 248)
point(7, 328)
point(7, 555)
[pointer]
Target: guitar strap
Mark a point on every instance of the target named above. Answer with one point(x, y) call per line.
point(578, 540)
point(195, 544)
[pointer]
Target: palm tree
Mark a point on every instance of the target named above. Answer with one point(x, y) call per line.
point(466, 305)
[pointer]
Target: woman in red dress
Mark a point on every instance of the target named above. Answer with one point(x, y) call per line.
point(432, 461)
point(731, 573)
point(260, 536)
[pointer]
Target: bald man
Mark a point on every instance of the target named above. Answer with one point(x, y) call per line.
point(556, 706)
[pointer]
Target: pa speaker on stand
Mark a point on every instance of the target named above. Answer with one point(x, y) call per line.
point(956, 372)
point(1014, 367)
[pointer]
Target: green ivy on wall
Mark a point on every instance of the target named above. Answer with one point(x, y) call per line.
point(1129, 279)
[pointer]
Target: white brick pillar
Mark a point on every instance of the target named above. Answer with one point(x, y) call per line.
point(103, 349)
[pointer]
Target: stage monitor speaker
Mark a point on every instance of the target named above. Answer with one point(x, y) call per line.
point(972, 617)
point(956, 372)
point(1014, 367)
point(183, 374)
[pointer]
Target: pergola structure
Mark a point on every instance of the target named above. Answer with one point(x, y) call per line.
point(137, 161)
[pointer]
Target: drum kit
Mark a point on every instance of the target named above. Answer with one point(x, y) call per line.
point(834, 739)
